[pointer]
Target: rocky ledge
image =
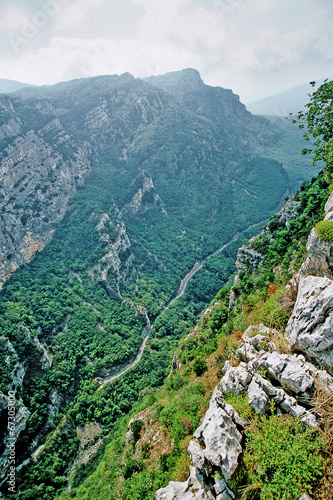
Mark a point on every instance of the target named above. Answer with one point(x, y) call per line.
point(265, 375)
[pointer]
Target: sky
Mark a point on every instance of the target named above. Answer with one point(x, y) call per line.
point(257, 48)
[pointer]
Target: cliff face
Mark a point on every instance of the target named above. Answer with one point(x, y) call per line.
point(36, 185)
point(44, 160)
point(50, 136)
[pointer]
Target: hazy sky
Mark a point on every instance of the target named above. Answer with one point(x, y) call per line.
point(255, 47)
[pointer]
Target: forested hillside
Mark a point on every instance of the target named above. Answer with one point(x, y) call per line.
point(150, 446)
point(112, 190)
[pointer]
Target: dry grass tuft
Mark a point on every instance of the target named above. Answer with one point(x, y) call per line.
point(287, 300)
point(279, 339)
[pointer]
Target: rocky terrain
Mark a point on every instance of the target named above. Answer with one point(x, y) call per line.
point(289, 376)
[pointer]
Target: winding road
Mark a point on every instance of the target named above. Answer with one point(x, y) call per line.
point(148, 328)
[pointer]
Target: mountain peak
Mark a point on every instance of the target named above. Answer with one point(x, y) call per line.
point(188, 80)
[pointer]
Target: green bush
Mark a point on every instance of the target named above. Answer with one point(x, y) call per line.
point(324, 230)
point(199, 367)
point(281, 457)
point(136, 428)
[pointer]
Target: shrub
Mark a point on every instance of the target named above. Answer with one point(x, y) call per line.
point(136, 428)
point(199, 367)
point(240, 404)
point(282, 457)
point(324, 230)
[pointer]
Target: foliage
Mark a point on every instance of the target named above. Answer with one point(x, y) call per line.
point(324, 230)
point(199, 366)
point(282, 454)
point(178, 407)
point(319, 120)
point(60, 302)
point(240, 404)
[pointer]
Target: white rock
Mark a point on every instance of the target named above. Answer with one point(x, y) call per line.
point(236, 379)
point(285, 402)
point(192, 489)
point(217, 441)
point(247, 352)
point(258, 399)
point(305, 496)
point(288, 369)
point(310, 327)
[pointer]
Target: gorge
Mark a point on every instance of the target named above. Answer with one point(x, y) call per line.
point(123, 203)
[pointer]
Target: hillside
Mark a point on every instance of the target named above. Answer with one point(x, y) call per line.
point(7, 86)
point(243, 388)
point(114, 192)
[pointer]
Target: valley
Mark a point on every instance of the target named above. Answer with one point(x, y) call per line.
point(121, 200)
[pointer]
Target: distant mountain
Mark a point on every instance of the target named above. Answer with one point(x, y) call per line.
point(7, 86)
point(291, 101)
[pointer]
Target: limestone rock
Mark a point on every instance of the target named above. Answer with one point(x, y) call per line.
point(285, 403)
point(310, 327)
point(305, 496)
point(320, 256)
point(236, 379)
point(329, 208)
point(217, 441)
point(320, 252)
point(257, 398)
point(192, 489)
point(36, 185)
point(288, 212)
point(289, 370)
point(248, 259)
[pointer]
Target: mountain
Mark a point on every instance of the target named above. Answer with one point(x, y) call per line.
point(291, 101)
point(123, 202)
point(7, 86)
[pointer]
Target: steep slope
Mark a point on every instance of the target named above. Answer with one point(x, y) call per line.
point(265, 386)
point(164, 178)
point(56, 132)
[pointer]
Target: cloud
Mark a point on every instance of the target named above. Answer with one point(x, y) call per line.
point(254, 47)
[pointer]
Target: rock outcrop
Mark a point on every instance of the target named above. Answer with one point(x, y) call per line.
point(215, 447)
point(310, 327)
point(216, 443)
point(266, 376)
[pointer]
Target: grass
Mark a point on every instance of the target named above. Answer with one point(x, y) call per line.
point(324, 230)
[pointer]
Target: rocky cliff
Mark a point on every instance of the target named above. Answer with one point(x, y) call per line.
point(51, 136)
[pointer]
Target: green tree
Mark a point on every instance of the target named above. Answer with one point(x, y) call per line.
point(319, 119)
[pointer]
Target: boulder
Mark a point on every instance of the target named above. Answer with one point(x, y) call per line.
point(329, 207)
point(289, 370)
point(320, 256)
point(192, 489)
point(310, 327)
point(216, 442)
point(257, 398)
point(236, 378)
